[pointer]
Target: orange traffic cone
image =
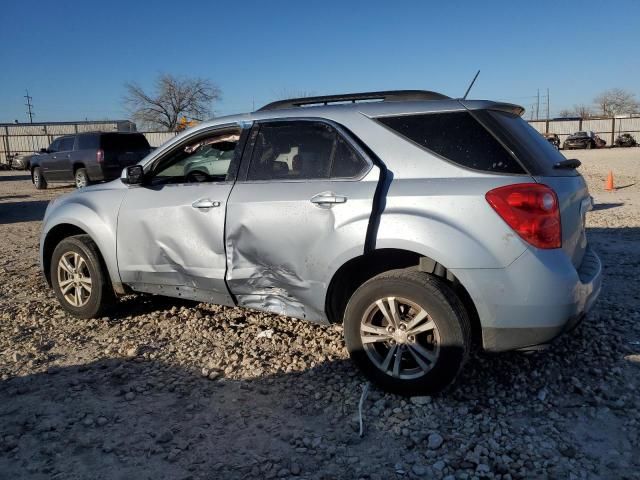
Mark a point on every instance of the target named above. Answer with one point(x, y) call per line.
point(609, 185)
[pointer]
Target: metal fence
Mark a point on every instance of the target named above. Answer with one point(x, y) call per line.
point(14, 144)
point(606, 128)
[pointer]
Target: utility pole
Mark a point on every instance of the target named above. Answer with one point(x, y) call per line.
point(538, 106)
point(547, 104)
point(29, 106)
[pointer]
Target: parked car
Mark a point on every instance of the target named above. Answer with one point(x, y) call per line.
point(23, 162)
point(586, 140)
point(377, 215)
point(625, 140)
point(87, 158)
point(553, 139)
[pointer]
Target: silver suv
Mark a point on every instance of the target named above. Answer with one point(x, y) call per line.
point(423, 224)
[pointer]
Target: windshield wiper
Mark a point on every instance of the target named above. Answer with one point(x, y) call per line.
point(569, 163)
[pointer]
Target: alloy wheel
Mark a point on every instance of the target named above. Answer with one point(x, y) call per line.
point(400, 338)
point(74, 279)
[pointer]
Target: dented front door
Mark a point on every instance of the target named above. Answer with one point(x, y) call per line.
point(170, 240)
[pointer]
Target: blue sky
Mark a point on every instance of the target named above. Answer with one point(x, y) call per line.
point(74, 57)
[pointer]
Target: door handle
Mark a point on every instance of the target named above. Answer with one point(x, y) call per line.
point(327, 199)
point(205, 203)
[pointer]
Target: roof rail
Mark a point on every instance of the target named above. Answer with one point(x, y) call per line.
point(385, 96)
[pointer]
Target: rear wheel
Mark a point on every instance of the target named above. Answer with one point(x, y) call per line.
point(79, 280)
point(408, 332)
point(38, 180)
point(81, 178)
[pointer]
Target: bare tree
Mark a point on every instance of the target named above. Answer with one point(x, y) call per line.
point(565, 112)
point(616, 102)
point(581, 110)
point(173, 98)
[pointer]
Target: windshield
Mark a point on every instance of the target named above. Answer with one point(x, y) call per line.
point(580, 134)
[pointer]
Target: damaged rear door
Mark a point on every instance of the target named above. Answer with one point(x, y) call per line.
point(170, 238)
point(300, 208)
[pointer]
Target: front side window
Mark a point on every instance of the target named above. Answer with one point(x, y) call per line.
point(55, 146)
point(203, 160)
point(302, 150)
point(66, 144)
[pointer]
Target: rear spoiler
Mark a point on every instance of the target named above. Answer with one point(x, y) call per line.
point(489, 105)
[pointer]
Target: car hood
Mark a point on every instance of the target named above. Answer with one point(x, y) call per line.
point(577, 139)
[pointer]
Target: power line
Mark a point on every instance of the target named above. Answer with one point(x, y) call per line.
point(29, 106)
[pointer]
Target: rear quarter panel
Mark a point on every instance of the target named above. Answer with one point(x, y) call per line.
point(449, 220)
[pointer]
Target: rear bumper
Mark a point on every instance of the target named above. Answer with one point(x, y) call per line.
point(535, 299)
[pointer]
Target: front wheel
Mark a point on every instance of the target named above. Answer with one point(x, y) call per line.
point(38, 179)
point(408, 332)
point(79, 280)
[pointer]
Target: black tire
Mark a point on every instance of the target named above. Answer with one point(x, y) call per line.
point(38, 179)
point(101, 296)
point(445, 310)
point(81, 178)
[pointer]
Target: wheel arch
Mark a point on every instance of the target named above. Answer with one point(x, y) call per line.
point(68, 225)
point(53, 237)
point(77, 165)
point(354, 272)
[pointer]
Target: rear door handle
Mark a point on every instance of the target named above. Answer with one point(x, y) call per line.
point(205, 203)
point(327, 199)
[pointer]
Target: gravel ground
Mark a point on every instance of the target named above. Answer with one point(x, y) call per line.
point(164, 389)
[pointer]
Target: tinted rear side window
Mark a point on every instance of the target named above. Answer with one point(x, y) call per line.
point(303, 150)
point(88, 142)
point(124, 142)
point(458, 137)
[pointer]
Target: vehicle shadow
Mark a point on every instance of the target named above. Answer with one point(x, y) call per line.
point(11, 197)
point(14, 212)
point(606, 206)
point(14, 178)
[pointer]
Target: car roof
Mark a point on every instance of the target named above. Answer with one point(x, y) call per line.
point(396, 106)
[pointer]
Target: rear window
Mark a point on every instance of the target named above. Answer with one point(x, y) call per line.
point(458, 137)
point(124, 142)
point(536, 154)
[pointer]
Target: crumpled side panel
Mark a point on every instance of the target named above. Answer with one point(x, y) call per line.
point(282, 249)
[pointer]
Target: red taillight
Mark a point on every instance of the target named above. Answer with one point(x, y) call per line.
point(531, 210)
point(100, 156)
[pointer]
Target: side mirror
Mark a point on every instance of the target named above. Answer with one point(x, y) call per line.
point(132, 175)
point(44, 150)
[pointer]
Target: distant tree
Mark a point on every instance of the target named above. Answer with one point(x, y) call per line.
point(581, 110)
point(565, 112)
point(616, 102)
point(173, 98)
